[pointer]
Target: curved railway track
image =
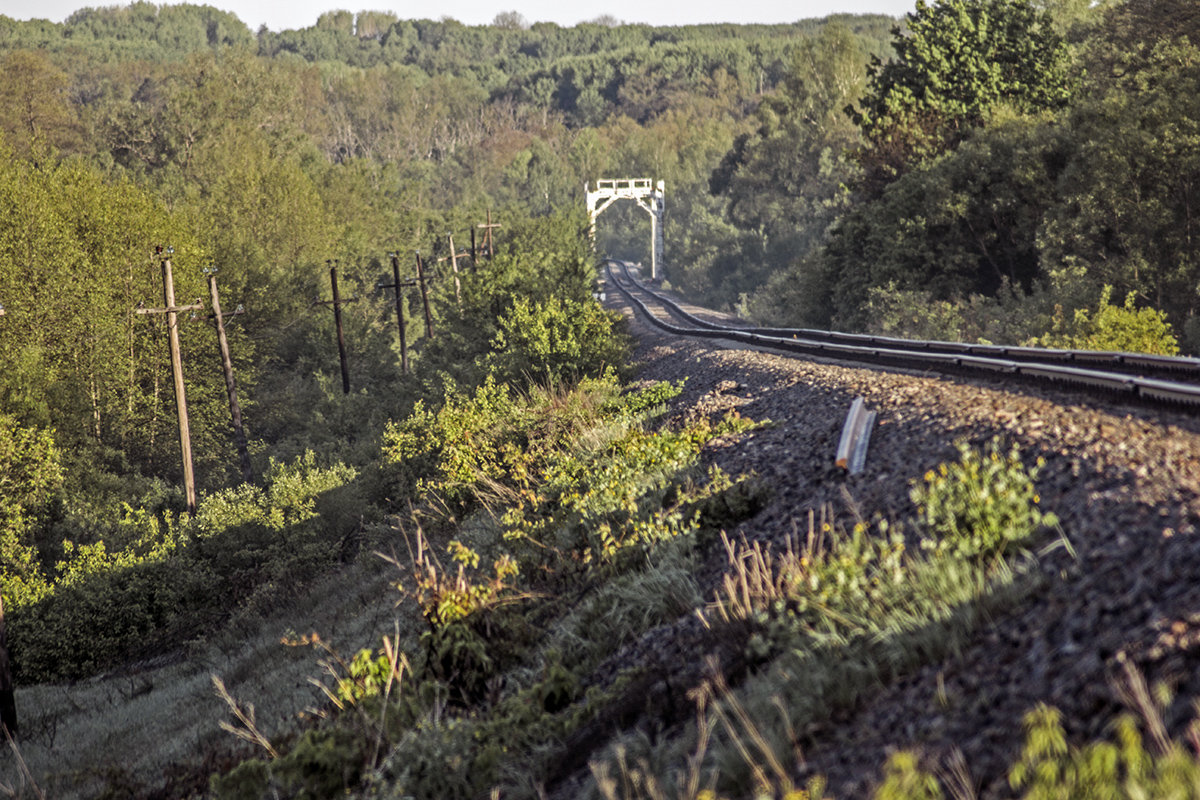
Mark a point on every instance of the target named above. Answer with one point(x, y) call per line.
point(1159, 380)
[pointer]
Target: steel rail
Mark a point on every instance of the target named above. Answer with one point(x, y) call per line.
point(1017, 361)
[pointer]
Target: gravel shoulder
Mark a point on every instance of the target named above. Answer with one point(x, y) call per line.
point(1124, 481)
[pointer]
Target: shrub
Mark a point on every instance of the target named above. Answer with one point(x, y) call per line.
point(1125, 329)
point(445, 452)
point(166, 579)
point(912, 314)
point(30, 478)
point(556, 341)
point(981, 506)
point(1050, 769)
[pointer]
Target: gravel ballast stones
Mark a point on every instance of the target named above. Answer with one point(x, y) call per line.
point(1123, 480)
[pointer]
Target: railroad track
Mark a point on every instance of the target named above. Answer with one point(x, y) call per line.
point(1159, 380)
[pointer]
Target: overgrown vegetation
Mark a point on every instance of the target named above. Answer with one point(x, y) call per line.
point(1143, 761)
point(839, 611)
point(593, 548)
point(997, 169)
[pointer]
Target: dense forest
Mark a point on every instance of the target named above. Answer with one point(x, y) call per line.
point(1002, 170)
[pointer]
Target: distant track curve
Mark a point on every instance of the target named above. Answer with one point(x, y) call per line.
point(1127, 375)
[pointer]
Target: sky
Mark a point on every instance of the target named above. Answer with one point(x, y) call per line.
point(283, 14)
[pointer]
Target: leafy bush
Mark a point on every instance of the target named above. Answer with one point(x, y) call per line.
point(323, 763)
point(838, 612)
point(445, 452)
point(912, 314)
point(167, 579)
point(555, 341)
point(839, 584)
point(485, 446)
point(1126, 329)
point(1049, 769)
point(594, 503)
point(290, 497)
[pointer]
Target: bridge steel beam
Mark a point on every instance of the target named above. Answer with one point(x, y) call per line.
point(648, 194)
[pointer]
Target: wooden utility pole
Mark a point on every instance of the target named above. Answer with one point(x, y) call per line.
point(398, 284)
point(424, 295)
point(235, 410)
point(488, 242)
point(8, 699)
point(172, 311)
point(453, 257)
point(337, 321)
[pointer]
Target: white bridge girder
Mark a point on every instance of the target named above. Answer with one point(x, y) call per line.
point(647, 193)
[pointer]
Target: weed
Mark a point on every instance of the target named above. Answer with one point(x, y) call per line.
point(982, 506)
point(838, 611)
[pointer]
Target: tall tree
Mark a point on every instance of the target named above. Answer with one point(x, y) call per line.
point(955, 63)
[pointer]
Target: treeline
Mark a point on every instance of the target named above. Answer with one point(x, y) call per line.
point(1020, 172)
point(587, 71)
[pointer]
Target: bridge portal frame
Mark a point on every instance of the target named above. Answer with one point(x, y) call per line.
point(647, 193)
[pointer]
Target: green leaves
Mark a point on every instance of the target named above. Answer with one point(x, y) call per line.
point(958, 60)
point(555, 342)
point(30, 478)
point(1126, 329)
point(981, 507)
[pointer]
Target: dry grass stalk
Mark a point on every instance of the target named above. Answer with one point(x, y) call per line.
point(745, 734)
point(249, 730)
point(397, 663)
point(27, 784)
point(1132, 690)
point(956, 777)
point(638, 784)
point(758, 578)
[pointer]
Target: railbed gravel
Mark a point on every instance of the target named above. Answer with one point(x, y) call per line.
point(1124, 481)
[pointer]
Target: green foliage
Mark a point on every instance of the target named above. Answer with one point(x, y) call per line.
point(1050, 769)
point(1126, 329)
point(912, 314)
point(599, 502)
point(1011, 206)
point(981, 507)
point(470, 438)
point(545, 270)
point(837, 612)
point(1129, 183)
point(956, 62)
point(30, 479)
point(156, 582)
point(787, 173)
point(323, 763)
point(905, 780)
point(75, 260)
point(555, 342)
point(965, 224)
point(448, 598)
point(290, 498)
point(34, 107)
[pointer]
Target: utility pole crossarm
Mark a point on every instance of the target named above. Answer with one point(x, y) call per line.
point(487, 228)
